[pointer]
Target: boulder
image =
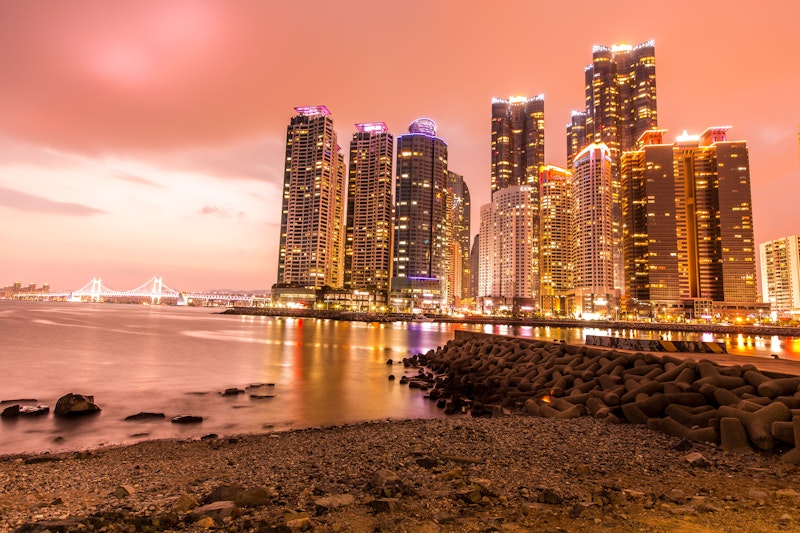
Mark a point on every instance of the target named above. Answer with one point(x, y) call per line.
point(33, 410)
point(75, 405)
point(186, 419)
point(144, 416)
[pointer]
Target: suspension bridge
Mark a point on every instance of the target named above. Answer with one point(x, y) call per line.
point(153, 291)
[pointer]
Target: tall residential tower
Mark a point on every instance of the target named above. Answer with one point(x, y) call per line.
point(368, 249)
point(422, 247)
point(311, 249)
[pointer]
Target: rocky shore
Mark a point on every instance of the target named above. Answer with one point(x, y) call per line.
point(509, 459)
point(512, 473)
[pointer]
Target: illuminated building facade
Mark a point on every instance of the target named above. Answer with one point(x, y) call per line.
point(510, 264)
point(422, 233)
point(461, 278)
point(592, 232)
point(555, 238)
point(780, 275)
point(687, 225)
point(620, 88)
point(368, 248)
point(649, 224)
point(716, 252)
point(517, 153)
point(311, 252)
point(517, 141)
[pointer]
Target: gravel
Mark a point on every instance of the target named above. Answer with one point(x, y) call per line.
point(506, 473)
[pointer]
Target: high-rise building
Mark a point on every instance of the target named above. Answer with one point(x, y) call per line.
point(592, 230)
point(780, 275)
point(311, 249)
point(555, 238)
point(517, 141)
point(516, 156)
point(459, 192)
point(716, 252)
point(687, 224)
point(576, 135)
point(422, 247)
point(510, 269)
point(649, 224)
point(620, 88)
point(474, 267)
point(368, 249)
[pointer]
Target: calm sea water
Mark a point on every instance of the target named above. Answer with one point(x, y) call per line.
point(177, 360)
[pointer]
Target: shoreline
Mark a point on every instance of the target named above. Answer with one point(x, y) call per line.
point(511, 471)
point(768, 331)
point(518, 473)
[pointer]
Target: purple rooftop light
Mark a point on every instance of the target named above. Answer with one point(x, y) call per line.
point(372, 127)
point(424, 126)
point(310, 111)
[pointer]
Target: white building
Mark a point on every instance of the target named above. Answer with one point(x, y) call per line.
point(780, 275)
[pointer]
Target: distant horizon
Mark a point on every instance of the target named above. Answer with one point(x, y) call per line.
point(146, 136)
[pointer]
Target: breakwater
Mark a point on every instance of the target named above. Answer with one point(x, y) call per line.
point(655, 345)
point(738, 406)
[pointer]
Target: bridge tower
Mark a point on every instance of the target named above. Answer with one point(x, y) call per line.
point(96, 291)
point(155, 293)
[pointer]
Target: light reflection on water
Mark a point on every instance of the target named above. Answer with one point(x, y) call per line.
point(177, 361)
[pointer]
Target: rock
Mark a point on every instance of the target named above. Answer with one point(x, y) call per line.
point(224, 493)
point(333, 501)
point(385, 483)
point(296, 521)
point(10, 412)
point(217, 511)
point(696, 459)
point(75, 404)
point(232, 392)
point(186, 419)
point(33, 410)
point(53, 526)
point(144, 416)
point(123, 491)
point(206, 522)
point(185, 503)
point(255, 497)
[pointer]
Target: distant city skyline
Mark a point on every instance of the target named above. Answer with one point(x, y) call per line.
point(148, 138)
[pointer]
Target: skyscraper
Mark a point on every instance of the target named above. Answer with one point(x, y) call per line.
point(780, 275)
point(312, 227)
point(592, 243)
point(620, 88)
point(555, 238)
point(422, 247)
point(461, 234)
point(649, 223)
point(509, 262)
point(716, 251)
point(687, 223)
point(517, 141)
point(512, 229)
point(368, 249)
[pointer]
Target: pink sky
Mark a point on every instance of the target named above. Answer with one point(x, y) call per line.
point(142, 138)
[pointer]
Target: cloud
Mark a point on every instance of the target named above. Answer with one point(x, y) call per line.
point(221, 212)
point(39, 204)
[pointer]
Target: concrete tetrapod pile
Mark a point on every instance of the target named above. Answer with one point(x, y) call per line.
point(737, 407)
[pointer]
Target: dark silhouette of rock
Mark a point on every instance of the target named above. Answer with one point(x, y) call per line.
point(186, 419)
point(144, 416)
point(75, 404)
